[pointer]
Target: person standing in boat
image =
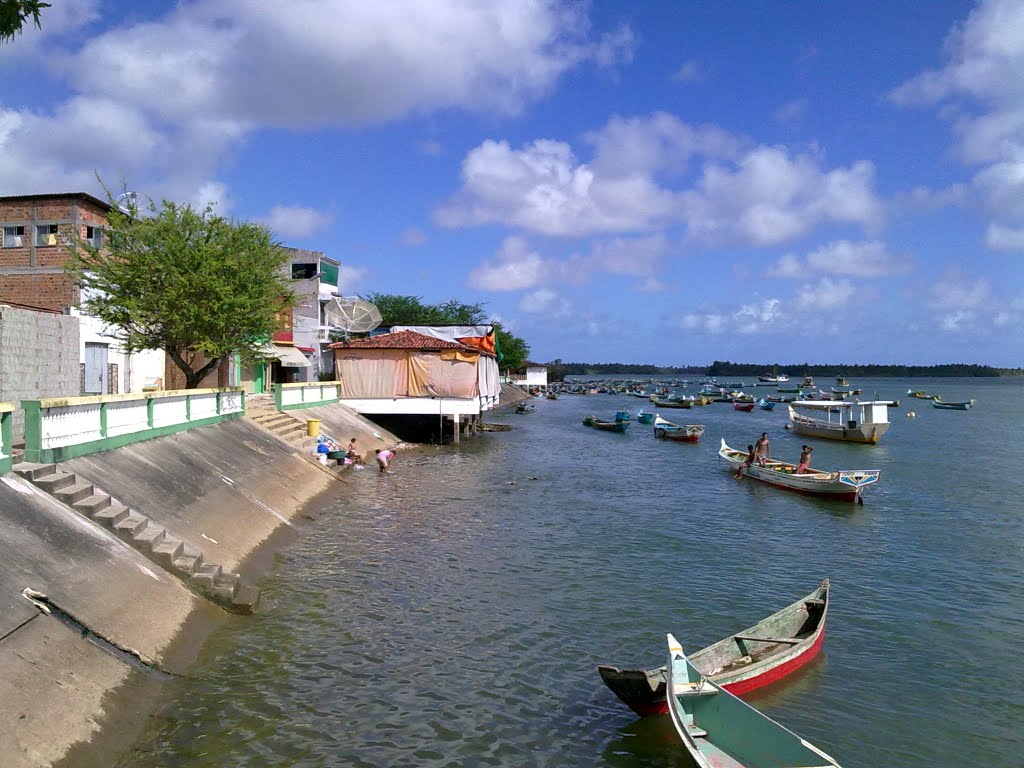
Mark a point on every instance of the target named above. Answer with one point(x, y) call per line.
point(751, 455)
point(761, 449)
point(805, 459)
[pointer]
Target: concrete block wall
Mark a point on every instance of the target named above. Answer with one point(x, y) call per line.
point(38, 358)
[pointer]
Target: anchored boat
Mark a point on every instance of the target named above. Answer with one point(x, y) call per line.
point(770, 650)
point(852, 421)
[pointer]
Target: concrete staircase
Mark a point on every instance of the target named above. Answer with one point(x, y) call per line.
point(154, 541)
point(290, 429)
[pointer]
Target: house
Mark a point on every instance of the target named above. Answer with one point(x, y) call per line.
point(535, 376)
point(410, 373)
point(35, 246)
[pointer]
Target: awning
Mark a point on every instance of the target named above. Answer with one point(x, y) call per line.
point(289, 357)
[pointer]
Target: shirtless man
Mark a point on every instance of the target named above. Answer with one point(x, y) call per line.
point(761, 449)
point(805, 459)
point(751, 455)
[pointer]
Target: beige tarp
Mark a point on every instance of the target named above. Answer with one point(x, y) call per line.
point(404, 373)
point(444, 374)
point(372, 372)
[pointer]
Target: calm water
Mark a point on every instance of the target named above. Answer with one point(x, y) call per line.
point(443, 616)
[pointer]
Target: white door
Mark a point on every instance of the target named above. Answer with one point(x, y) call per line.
point(95, 368)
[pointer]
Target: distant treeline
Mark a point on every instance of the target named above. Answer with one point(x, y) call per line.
point(558, 370)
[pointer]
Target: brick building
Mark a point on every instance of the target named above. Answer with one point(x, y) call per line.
point(37, 230)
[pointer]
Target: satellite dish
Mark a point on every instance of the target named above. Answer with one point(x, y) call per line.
point(352, 315)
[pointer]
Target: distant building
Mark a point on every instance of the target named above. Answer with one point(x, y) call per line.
point(534, 376)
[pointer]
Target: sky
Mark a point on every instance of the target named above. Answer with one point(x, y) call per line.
point(670, 183)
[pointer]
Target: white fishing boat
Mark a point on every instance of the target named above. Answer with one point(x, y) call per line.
point(851, 421)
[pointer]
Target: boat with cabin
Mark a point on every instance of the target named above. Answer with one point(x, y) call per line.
point(848, 420)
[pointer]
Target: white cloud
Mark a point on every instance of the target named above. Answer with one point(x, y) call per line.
point(771, 196)
point(296, 221)
point(545, 301)
point(516, 267)
point(841, 257)
point(792, 111)
point(689, 72)
point(956, 291)
point(313, 62)
point(350, 279)
point(826, 294)
point(981, 92)
point(413, 237)
point(763, 196)
point(958, 321)
point(1000, 238)
point(747, 319)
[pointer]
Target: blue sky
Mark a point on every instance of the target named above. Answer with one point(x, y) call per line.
point(649, 182)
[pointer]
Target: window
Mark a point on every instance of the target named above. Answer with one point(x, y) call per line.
point(303, 271)
point(94, 236)
point(46, 234)
point(13, 237)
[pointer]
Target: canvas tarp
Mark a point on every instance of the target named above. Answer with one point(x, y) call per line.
point(377, 373)
point(446, 332)
point(439, 374)
point(372, 373)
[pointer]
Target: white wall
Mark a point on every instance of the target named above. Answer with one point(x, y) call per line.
point(143, 369)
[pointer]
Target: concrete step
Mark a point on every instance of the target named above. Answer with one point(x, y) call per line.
point(90, 505)
point(149, 536)
point(130, 525)
point(31, 471)
point(226, 585)
point(112, 514)
point(168, 550)
point(55, 481)
point(188, 564)
point(74, 493)
point(246, 599)
point(206, 576)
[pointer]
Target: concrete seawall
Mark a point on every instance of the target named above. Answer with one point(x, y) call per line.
point(116, 618)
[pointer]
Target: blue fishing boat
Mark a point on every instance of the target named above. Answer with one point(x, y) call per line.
point(938, 403)
point(721, 730)
point(623, 416)
point(765, 405)
point(644, 418)
point(607, 426)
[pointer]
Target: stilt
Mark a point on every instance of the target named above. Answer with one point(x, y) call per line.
point(455, 427)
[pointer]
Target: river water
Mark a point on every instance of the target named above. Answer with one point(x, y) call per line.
point(453, 613)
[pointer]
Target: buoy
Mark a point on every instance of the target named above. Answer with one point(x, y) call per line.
point(911, 415)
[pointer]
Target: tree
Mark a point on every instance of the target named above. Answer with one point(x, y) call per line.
point(196, 285)
point(410, 310)
point(14, 14)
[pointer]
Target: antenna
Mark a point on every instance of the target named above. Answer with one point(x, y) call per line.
point(352, 314)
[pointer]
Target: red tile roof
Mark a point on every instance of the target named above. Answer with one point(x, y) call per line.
point(400, 340)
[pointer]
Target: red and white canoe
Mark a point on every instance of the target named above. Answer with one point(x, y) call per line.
point(768, 651)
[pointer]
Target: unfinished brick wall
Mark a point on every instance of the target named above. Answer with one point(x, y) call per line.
point(32, 270)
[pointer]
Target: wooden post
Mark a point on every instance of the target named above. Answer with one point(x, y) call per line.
point(455, 427)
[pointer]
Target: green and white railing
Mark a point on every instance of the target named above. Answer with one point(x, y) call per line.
point(59, 428)
point(307, 394)
point(6, 438)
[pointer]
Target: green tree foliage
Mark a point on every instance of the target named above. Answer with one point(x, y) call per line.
point(15, 13)
point(410, 310)
point(196, 285)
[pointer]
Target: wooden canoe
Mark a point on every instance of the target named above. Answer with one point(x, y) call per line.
point(722, 731)
point(607, 426)
point(844, 485)
point(740, 406)
point(681, 433)
point(737, 663)
point(938, 403)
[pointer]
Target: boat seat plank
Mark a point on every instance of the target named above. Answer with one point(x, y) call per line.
point(814, 602)
point(693, 689)
point(697, 733)
point(754, 639)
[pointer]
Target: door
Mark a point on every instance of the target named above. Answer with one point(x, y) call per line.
point(95, 368)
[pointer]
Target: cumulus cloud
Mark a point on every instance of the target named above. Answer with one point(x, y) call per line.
point(826, 294)
point(350, 279)
point(981, 92)
point(760, 196)
point(869, 258)
point(689, 72)
point(746, 319)
point(956, 291)
point(514, 268)
point(547, 302)
point(1000, 238)
point(792, 111)
point(314, 62)
point(296, 221)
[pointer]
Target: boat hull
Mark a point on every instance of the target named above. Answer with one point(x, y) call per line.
point(953, 406)
point(643, 691)
point(868, 434)
point(842, 485)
